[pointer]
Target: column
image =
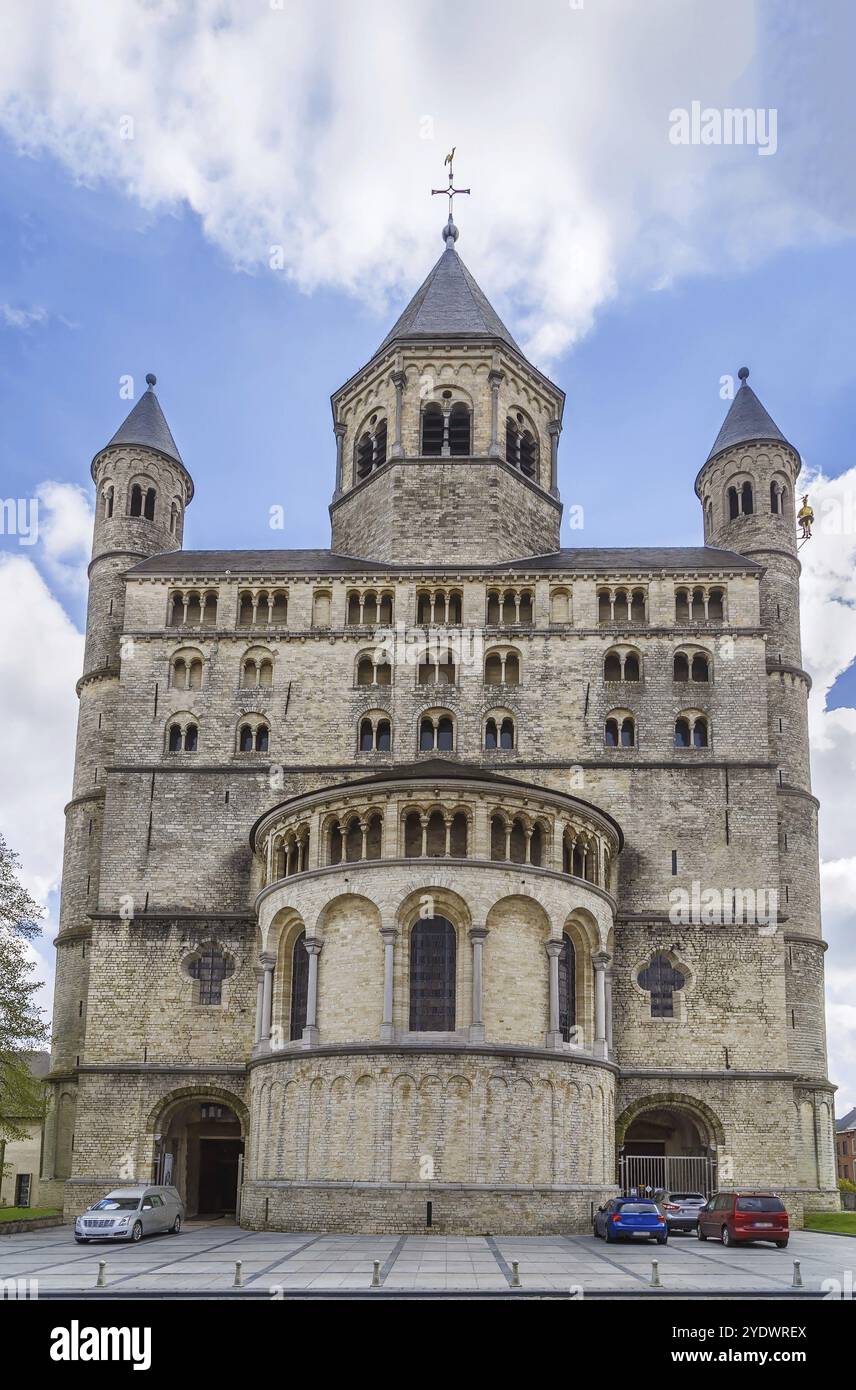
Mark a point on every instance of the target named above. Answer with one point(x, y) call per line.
point(339, 431)
point(387, 1030)
point(267, 962)
point(554, 1036)
point(259, 973)
point(600, 960)
point(397, 379)
point(495, 379)
point(554, 429)
point(610, 975)
point(310, 1032)
point(477, 937)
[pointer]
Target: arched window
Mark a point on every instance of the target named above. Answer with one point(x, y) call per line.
point(299, 987)
point(774, 498)
point(628, 732)
point(567, 989)
point(174, 739)
point(436, 667)
point(262, 738)
point(365, 450)
point(716, 605)
point(612, 667)
point(174, 518)
point(109, 496)
point(560, 606)
point(136, 500)
point(521, 448)
point(210, 968)
point(682, 606)
point(700, 732)
point(733, 504)
point(700, 670)
point(459, 430)
point(681, 667)
point(490, 734)
point(432, 976)
point(436, 731)
point(682, 732)
point(631, 667)
point(149, 505)
point(746, 499)
point(661, 980)
point(432, 430)
point(191, 738)
point(321, 603)
point(610, 733)
point(620, 730)
point(366, 736)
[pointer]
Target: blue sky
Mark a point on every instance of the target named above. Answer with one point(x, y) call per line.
point(636, 273)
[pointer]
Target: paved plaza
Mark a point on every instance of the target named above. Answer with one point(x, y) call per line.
point(202, 1260)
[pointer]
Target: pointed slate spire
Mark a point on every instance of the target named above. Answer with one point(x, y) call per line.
point(146, 425)
point(449, 302)
point(746, 421)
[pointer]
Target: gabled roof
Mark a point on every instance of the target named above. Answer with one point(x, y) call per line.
point(449, 302)
point(847, 1123)
point(146, 425)
point(746, 421)
point(328, 562)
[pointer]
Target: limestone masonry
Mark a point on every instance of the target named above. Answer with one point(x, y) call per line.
point(446, 879)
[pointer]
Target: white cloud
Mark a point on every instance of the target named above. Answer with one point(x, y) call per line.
point(304, 125)
point(21, 318)
point(828, 620)
point(41, 657)
point(65, 533)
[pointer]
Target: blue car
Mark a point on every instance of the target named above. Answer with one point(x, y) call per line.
point(631, 1218)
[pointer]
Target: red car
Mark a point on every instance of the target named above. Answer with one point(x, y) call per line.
point(738, 1217)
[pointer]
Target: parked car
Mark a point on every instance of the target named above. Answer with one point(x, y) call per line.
point(681, 1209)
point(631, 1218)
point(738, 1217)
point(129, 1213)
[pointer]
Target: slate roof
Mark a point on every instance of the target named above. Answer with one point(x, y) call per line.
point(847, 1123)
point(637, 558)
point(449, 302)
point(146, 425)
point(746, 421)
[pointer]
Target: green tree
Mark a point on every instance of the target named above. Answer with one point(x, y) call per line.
point(22, 1025)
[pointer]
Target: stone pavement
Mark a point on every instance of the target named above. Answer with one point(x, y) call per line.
point(202, 1259)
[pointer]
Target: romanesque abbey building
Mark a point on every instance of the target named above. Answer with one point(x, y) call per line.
point(448, 876)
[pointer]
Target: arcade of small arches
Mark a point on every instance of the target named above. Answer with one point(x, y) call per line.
point(262, 607)
point(408, 825)
point(192, 608)
point(141, 502)
point(692, 729)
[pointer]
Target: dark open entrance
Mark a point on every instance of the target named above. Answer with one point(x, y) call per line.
point(200, 1153)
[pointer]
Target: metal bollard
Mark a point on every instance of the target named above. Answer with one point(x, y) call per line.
point(376, 1274)
point(798, 1283)
point(101, 1281)
point(239, 1277)
point(515, 1274)
point(655, 1275)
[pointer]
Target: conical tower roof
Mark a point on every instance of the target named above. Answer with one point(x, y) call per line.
point(746, 421)
point(449, 303)
point(146, 425)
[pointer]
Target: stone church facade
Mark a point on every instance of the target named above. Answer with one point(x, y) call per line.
point(391, 870)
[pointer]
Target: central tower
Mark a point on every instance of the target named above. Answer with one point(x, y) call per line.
point(447, 439)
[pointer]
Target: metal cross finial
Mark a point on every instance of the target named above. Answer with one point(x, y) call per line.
point(450, 194)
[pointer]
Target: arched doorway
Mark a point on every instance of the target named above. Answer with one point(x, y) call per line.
point(667, 1146)
point(200, 1152)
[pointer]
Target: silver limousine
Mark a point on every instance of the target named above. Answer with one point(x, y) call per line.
point(130, 1213)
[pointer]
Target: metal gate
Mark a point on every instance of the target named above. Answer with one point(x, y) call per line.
point(658, 1171)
